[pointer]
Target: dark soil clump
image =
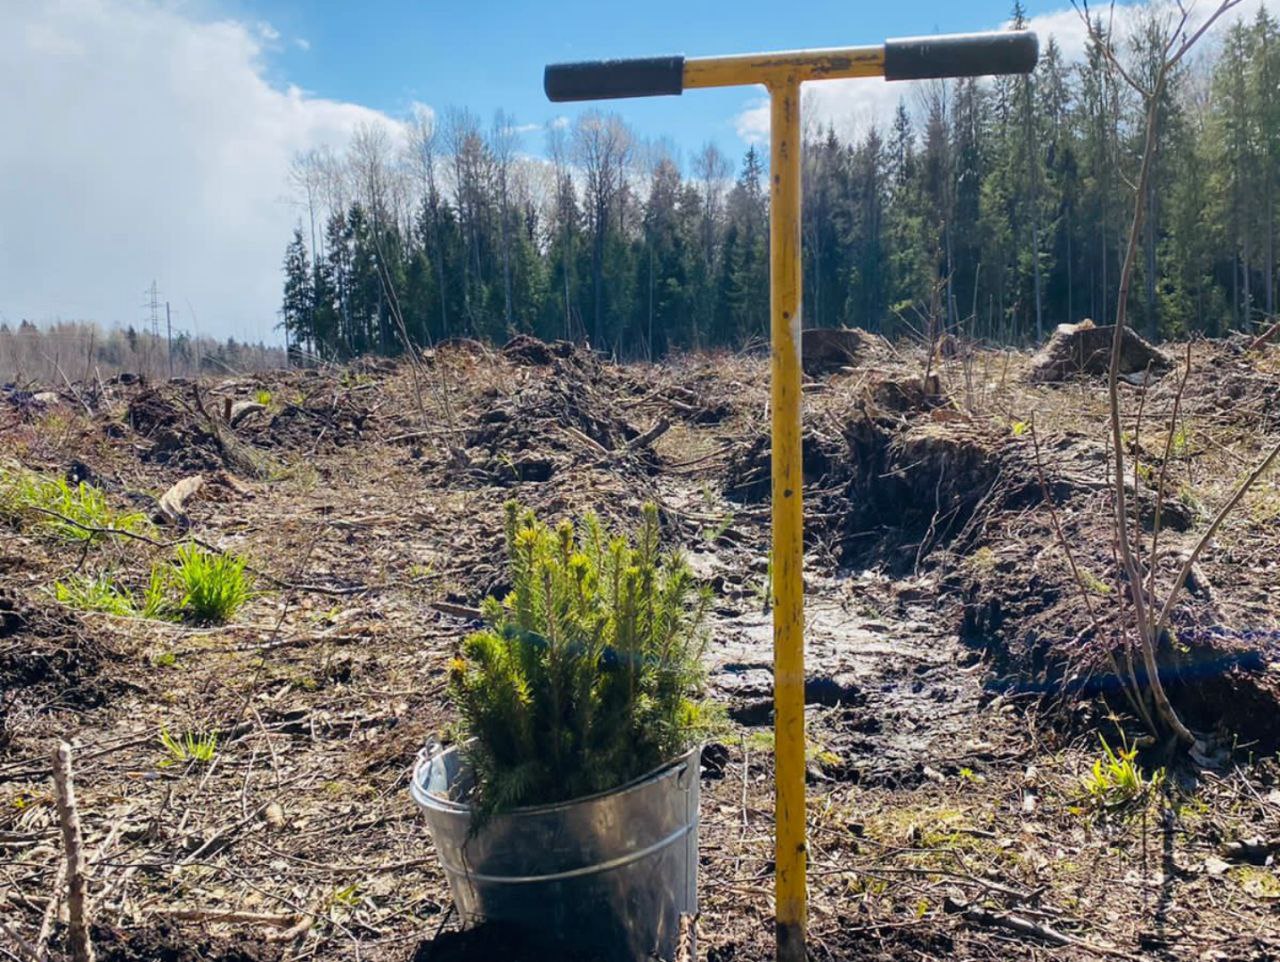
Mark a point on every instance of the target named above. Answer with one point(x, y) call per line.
point(525, 349)
point(555, 416)
point(885, 487)
point(493, 941)
point(49, 661)
point(179, 438)
point(165, 943)
point(826, 349)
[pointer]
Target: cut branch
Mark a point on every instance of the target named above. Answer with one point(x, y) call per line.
point(73, 846)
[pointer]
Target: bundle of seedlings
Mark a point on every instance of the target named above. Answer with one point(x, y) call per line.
point(584, 676)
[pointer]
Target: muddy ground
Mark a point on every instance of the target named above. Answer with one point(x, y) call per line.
point(959, 674)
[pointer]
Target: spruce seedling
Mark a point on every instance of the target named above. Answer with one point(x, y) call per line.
point(584, 675)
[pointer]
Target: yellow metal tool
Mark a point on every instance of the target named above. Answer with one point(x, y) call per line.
point(917, 58)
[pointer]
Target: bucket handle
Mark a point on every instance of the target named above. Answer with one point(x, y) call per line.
point(429, 752)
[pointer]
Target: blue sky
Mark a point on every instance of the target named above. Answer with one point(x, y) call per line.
point(490, 55)
point(152, 139)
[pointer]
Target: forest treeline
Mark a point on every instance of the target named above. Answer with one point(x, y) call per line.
point(994, 208)
point(55, 354)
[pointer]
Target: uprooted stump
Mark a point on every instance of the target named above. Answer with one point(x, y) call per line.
point(916, 490)
point(890, 481)
point(827, 349)
point(1054, 629)
point(748, 477)
point(1084, 349)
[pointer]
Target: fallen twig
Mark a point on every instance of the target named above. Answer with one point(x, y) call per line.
point(25, 949)
point(1024, 926)
point(660, 427)
point(229, 915)
point(457, 611)
point(224, 834)
point(589, 441)
point(1265, 336)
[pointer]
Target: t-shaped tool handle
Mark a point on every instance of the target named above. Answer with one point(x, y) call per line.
point(917, 58)
point(610, 79)
point(908, 58)
point(961, 55)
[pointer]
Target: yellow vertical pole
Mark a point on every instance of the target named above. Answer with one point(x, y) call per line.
point(788, 519)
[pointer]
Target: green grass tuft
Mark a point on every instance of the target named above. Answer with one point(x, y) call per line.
point(191, 747)
point(1117, 782)
point(214, 585)
point(64, 509)
point(94, 594)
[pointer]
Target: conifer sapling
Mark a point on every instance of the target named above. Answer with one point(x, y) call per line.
point(585, 675)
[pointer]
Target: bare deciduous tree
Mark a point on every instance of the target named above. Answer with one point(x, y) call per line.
point(1150, 617)
point(502, 145)
point(423, 137)
point(602, 147)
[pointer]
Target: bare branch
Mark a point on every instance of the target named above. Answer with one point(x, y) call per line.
point(1226, 509)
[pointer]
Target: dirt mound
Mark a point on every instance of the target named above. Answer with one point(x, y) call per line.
point(1027, 610)
point(179, 436)
point(192, 432)
point(150, 411)
point(827, 349)
point(885, 480)
point(748, 477)
point(329, 423)
point(49, 660)
point(559, 413)
point(526, 349)
point(1084, 349)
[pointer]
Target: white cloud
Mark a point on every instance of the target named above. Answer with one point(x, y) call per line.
point(851, 105)
point(302, 43)
point(139, 143)
point(752, 124)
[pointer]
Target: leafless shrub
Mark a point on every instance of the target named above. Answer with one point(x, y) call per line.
point(1150, 616)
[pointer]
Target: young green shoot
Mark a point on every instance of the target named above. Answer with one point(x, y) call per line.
point(193, 747)
point(1116, 781)
point(69, 511)
point(94, 594)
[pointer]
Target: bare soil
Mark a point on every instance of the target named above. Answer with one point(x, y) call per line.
point(957, 682)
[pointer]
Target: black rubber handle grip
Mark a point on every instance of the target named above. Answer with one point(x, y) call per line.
point(961, 55)
point(609, 79)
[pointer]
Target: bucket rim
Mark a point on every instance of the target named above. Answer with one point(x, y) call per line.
point(428, 800)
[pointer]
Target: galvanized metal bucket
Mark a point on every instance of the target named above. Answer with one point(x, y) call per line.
point(611, 873)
